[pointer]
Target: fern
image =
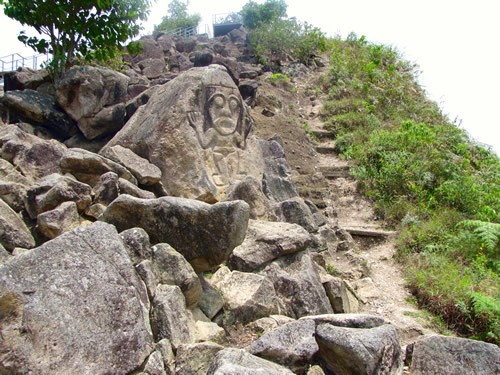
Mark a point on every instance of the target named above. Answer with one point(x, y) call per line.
point(488, 233)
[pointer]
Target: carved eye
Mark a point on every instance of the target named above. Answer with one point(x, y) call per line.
point(234, 104)
point(219, 101)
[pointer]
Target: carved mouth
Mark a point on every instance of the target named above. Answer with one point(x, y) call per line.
point(225, 125)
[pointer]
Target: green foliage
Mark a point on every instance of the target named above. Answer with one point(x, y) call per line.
point(426, 176)
point(310, 133)
point(178, 17)
point(70, 30)
point(254, 15)
point(275, 40)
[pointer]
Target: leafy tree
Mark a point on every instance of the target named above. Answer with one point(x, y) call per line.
point(178, 17)
point(255, 15)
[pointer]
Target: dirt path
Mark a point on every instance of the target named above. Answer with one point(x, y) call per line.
point(370, 267)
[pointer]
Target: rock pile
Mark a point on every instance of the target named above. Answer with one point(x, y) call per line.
point(141, 220)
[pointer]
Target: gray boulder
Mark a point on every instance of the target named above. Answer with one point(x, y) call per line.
point(53, 223)
point(354, 351)
point(88, 167)
point(341, 297)
point(145, 172)
point(250, 191)
point(172, 268)
point(292, 345)
point(239, 362)
point(40, 109)
point(348, 320)
point(247, 296)
point(31, 155)
point(204, 234)
point(106, 189)
point(196, 129)
point(74, 306)
point(136, 241)
point(193, 359)
point(50, 191)
point(265, 241)
point(155, 364)
point(25, 78)
point(296, 211)
point(210, 301)
point(13, 186)
point(126, 187)
point(169, 317)
point(95, 98)
point(298, 285)
point(452, 356)
point(152, 68)
point(13, 231)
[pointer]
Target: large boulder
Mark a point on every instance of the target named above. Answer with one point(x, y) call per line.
point(452, 356)
point(354, 351)
point(292, 345)
point(265, 241)
point(239, 362)
point(197, 130)
point(95, 98)
point(13, 186)
point(13, 231)
point(63, 218)
point(31, 155)
point(204, 234)
point(75, 305)
point(194, 359)
point(88, 167)
point(40, 109)
point(25, 78)
point(50, 191)
point(298, 285)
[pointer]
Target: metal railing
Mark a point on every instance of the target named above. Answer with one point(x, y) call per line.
point(184, 31)
point(14, 61)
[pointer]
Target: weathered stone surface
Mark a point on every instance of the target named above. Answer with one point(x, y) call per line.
point(341, 298)
point(203, 58)
point(75, 306)
point(88, 167)
point(13, 231)
point(209, 331)
point(31, 155)
point(126, 187)
point(239, 362)
point(137, 243)
point(95, 211)
point(154, 364)
point(196, 129)
point(296, 211)
point(292, 345)
point(276, 182)
point(79, 141)
point(170, 267)
point(360, 351)
point(25, 78)
point(63, 218)
point(298, 285)
point(86, 91)
point(210, 301)
point(315, 370)
point(41, 109)
point(145, 172)
point(270, 323)
point(247, 296)
point(4, 254)
point(145, 271)
point(50, 191)
point(152, 68)
point(250, 191)
point(204, 234)
point(195, 358)
point(170, 318)
point(452, 356)
point(266, 241)
point(348, 320)
point(106, 189)
point(150, 50)
point(165, 347)
point(13, 194)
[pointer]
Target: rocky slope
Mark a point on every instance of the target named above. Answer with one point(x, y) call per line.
point(177, 219)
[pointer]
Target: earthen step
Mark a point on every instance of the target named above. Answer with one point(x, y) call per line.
point(323, 134)
point(315, 195)
point(332, 172)
point(326, 150)
point(369, 232)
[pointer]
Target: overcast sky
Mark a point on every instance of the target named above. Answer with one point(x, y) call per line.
point(455, 43)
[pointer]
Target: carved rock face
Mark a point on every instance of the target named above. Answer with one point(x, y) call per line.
point(197, 130)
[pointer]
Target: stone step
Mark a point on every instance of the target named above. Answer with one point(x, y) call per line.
point(326, 150)
point(315, 195)
point(332, 172)
point(322, 134)
point(369, 232)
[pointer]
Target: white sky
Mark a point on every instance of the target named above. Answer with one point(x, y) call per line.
point(455, 43)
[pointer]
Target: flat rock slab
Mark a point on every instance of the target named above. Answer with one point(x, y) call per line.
point(204, 234)
point(74, 306)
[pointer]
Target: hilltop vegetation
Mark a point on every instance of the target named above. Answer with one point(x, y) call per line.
point(426, 178)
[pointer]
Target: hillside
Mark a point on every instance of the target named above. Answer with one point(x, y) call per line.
point(198, 213)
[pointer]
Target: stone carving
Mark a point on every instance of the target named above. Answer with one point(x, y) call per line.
point(222, 128)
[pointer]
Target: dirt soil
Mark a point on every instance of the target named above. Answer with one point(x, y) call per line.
point(369, 267)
